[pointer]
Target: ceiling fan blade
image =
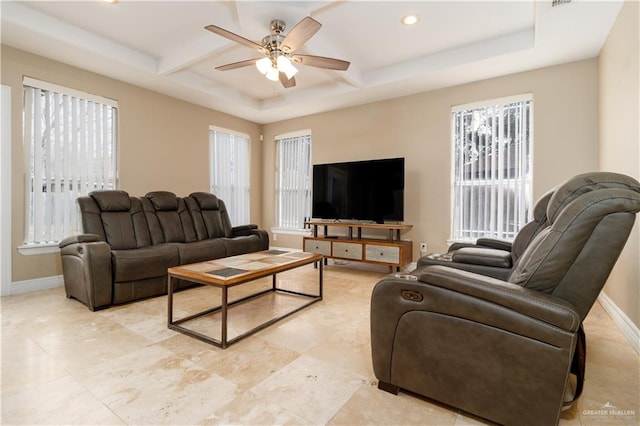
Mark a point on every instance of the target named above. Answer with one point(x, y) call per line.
point(234, 37)
point(321, 62)
point(287, 82)
point(299, 34)
point(237, 65)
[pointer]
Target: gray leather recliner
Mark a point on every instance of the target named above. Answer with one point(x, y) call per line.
point(489, 256)
point(503, 349)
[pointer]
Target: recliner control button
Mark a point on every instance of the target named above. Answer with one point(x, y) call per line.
point(411, 295)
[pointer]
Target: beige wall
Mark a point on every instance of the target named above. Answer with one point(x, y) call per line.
point(418, 128)
point(620, 140)
point(163, 143)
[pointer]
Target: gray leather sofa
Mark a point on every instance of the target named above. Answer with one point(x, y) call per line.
point(129, 242)
point(504, 350)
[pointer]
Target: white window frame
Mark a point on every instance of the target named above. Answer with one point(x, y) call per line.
point(65, 180)
point(495, 225)
point(292, 211)
point(229, 177)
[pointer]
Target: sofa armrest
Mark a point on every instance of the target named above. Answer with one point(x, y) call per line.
point(244, 229)
point(483, 256)
point(86, 268)
point(82, 238)
point(251, 229)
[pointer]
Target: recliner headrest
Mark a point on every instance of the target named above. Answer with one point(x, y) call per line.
point(540, 208)
point(206, 200)
point(581, 184)
point(112, 200)
point(163, 200)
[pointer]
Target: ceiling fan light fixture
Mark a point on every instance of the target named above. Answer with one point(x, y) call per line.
point(284, 64)
point(264, 65)
point(273, 74)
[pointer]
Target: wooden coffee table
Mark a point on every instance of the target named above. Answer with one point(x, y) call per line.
point(232, 271)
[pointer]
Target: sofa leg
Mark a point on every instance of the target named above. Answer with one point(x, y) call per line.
point(388, 387)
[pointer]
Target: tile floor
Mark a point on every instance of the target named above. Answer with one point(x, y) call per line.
point(62, 364)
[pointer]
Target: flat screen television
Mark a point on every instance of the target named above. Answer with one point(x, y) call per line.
point(370, 190)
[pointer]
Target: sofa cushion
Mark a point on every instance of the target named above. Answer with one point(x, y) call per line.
point(168, 218)
point(206, 200)
point(199, 251)
point(142, 263)
point(112, 201)
point(209, 216)
point(163, 200)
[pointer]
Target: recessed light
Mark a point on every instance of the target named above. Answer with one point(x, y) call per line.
point(410, 20)
point(111, 1)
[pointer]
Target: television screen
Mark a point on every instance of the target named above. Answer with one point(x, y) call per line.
point(359, 190)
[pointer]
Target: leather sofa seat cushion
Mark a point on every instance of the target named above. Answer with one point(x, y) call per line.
point(241, 245)
point(483, 256)
point(112, 201)
point(142, 263)
point(199, 251)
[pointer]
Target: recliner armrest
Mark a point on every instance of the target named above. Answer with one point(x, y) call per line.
point(495, 244)
point(531, 303)
point(483, 256)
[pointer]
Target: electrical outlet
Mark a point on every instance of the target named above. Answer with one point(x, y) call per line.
point(275, 237)
point(423, 247)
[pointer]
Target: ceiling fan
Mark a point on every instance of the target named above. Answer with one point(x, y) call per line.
point(279, 51)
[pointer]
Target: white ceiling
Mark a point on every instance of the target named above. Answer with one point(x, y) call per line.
point(163, 46)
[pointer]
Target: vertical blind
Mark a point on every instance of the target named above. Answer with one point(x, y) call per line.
point(70, 144)
point(230, 173)
point(293, 185)
point(492, 169)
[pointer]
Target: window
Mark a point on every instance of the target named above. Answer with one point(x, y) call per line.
point(492, 167)
point(70, 143)
point(293, 180)
point(230, 172)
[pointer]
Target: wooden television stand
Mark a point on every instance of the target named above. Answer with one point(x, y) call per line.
point(391, 251)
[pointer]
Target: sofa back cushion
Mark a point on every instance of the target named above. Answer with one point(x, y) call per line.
point(209, 214)
point(168, 218)
point(117, 218)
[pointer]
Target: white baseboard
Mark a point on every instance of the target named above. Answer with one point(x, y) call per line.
point(628, 328)
point(28, 286)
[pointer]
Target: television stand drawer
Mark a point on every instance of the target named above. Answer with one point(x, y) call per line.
point(347, 250)
point(379, 253)
point(322, 247)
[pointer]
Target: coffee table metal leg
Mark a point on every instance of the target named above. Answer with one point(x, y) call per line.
point(223, 333)
point(320, 281)
point(170, 300)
